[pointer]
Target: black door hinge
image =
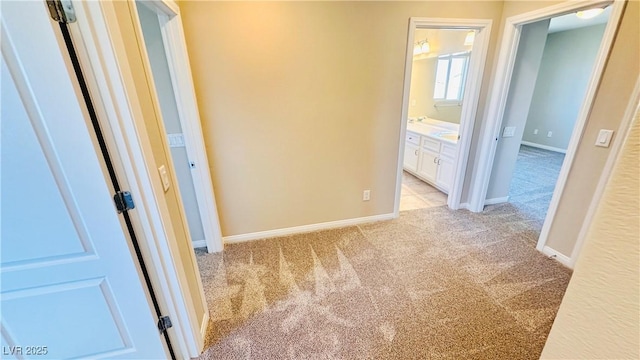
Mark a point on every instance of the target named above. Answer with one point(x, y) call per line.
point(124, 201)
point(61, 11)
point(164, 322)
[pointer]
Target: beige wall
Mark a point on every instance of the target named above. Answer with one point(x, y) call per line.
point(301, 104)
point(598, 317)
point(153, 130)
point(613, 94)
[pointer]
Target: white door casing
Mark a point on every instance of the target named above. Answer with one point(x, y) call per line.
point(69, 281)
point(470, 104)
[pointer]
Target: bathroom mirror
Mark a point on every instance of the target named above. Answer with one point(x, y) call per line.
point(440, 67)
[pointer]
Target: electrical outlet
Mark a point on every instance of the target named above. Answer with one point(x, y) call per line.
point(549, 133)
point(535, 132)
point(366, 195)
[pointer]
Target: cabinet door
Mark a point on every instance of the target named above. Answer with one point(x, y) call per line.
point(445, 173)
point(411, 157)
point(428, 165)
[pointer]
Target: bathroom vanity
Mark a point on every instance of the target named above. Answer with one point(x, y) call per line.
point(430, 150)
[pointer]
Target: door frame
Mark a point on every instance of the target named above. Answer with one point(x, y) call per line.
point(102, 56)
point(498, 100)
point(175, 48)
point(472, 89)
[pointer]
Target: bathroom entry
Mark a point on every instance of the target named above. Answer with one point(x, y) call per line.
point(441, 90)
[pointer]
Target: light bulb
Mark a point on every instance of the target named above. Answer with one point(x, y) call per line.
point(425, 47)
point(417, 50)
point(589, 13)
point(468, 40)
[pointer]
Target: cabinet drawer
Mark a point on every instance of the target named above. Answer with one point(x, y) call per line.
point(413, 138)
point(430, 144)
point(448, 150)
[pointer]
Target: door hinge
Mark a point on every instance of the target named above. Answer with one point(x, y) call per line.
point(124, 201)
point(61, 11)
point(164, 322)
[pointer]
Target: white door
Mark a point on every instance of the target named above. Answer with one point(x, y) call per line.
point(70, 287)
point(445, 173)
point(428, 165)
point(411, 157)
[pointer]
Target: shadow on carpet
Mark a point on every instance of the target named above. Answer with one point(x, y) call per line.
point(432, 284)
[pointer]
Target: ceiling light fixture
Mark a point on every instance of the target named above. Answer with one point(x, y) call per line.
point(589, 13)
point(468, 40)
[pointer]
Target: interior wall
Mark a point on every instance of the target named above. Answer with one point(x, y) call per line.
point(598, 317)
point(301, 104)
point(150, 122)
point(164, 88)
point(566, 68)
point(613, 94)
point(519, 99)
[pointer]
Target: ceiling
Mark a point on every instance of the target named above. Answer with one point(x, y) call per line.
point(571, 21)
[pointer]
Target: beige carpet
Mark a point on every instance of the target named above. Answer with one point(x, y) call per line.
point(433, 284)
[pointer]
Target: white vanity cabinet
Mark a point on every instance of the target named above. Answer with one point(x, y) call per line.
point(430, 159)
point(444, 177)
point(411, 152)
point(429, 152)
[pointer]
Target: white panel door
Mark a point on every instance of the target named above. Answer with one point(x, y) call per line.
point(69, 281)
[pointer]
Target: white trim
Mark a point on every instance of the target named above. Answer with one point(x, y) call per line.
point(199, 243)
point(469, 107)
point(498, 97)
point(562, 259)
point(101, 49)
point(544, 147)
point(306, 228)
point(618, 142)
point(175, 48)
point(499, 200)
point(204, 325)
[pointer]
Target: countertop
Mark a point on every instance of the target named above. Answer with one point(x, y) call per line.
point(435, 129)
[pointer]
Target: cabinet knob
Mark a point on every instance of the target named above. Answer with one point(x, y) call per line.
point(435, 160)
point(438, 161)
point(416, 152)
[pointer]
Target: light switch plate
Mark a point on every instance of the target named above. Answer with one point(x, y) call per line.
point(164, 176)
point(176, 140)
point(604, 138)
point(509, 131)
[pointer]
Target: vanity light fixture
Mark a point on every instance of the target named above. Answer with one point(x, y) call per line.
point(589, 13)
point(421, 47)
point(468, 40)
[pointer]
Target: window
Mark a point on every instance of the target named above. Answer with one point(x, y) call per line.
point(451, 73)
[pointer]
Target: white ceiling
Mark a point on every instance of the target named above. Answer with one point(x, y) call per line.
point(571, 21)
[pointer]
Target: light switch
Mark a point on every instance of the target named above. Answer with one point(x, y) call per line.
point(176, 140)
point(604, 138)
point(509, 131)
point(164, 176)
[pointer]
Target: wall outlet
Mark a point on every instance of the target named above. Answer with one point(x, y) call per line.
point(164, 176)
point(535, 132)
point(366, 195)
point(549, 133)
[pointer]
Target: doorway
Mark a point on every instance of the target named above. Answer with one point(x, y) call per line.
point(500, 101)
point(165, 51)
point(436, 124)
point(550, 77)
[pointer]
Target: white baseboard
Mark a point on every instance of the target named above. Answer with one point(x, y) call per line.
point(494, 201)
point(466, 206)
point(544, 147)
point(199, 244)
point(561, 258)
point(305, 228)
